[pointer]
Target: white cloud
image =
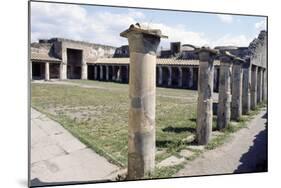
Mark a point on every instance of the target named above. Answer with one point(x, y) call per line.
point(78, 23)
point(225, 18)
point(180, 33)
point(260, 25)
point(230, 40)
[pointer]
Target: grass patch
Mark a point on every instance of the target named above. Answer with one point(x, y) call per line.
point(98, 116)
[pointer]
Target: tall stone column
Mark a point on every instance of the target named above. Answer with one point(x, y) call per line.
point(160, 77)
point(264, 83)
point(107, 72)
point(63, 71)
point(259, 85)
point(101, 72)
point(119, 74)
point(169, 76)
point(190, 78)
point(113, 73)
point(246, 87)
point(254, 74)
point(47, 71)
point(143, 44)
point(223, 114)
point(205, 95)
point(237, 78)
point(95, 72)
point(84, 71)
point(180, 77)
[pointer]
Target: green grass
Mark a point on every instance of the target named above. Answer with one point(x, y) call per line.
point(99, 117)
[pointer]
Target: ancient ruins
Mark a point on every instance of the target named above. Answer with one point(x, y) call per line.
point(238, 74)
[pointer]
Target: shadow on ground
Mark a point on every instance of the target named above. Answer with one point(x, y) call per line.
point(255, 160)
point(179, 129)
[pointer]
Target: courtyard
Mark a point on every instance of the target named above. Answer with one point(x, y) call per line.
point(97, 114)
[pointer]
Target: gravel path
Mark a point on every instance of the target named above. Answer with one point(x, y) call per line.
point(245, 152)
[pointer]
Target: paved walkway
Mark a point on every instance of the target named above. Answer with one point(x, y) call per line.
point(57, 156)
point(245, 152)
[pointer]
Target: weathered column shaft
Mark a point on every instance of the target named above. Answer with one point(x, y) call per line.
point(223, 114)
point(47, 71)
point(205, 96)
point(95, 72)
point(63, 71)
point(180, 77)
point(236, 101)
point(84, 71)
point(264, 85)
point(101, 72)
point(169, 76)
point(113, 72)
point(190, 78)
point(259, 85)
point(107, 72)
point(246, 91)
point(142, 88)
point(160, 75)
point(119, 74)
point(254, 87)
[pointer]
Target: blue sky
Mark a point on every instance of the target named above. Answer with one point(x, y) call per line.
point(103, 25)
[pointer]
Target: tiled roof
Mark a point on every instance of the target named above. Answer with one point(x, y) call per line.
point(160, 61)
point(43, 57)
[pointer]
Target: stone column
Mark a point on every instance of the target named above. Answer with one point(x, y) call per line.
point(101, 72)
point(246, 91)
point(63, 71)
point(223, 114)
point(264, 83)
point(190, 78)
point(170, 76)
point(47, 71)
point(84, 71)
point(107, 72)
point(180, 77)
point(119, 74)
point(160, 76)
point(237, 78)
point(254, 87)
point(143, 44)
point(113, 73)
point(259, 85)
point(205, 95)
point(95, 72)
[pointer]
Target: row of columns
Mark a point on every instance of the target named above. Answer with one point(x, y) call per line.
point(241, 88)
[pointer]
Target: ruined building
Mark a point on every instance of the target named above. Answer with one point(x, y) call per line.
point(59, 58)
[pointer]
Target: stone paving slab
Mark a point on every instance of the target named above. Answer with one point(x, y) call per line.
point(57, 156)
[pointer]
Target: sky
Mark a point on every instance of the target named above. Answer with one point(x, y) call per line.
point(103, 25)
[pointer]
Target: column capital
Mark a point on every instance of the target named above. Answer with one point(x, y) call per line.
point(205, 53)
point(142, 39)
point(226, 57)
point(238, 61)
